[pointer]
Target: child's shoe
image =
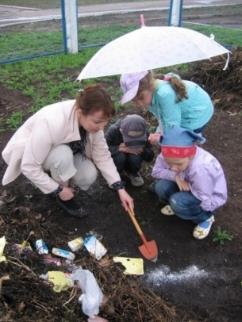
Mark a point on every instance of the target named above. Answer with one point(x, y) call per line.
point(136, 179)
point(167, 211)
point(202, 230)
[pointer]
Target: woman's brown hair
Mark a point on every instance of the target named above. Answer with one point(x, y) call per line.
point(95, 98)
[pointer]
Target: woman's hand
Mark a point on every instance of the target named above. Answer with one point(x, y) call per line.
point(182, 184)
point(154, 138)
point(126, 200)
point(66, 194)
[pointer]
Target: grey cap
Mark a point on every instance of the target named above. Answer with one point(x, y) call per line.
point(133, 129)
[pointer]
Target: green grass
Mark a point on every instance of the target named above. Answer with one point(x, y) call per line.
point(29, 43)
point(89, 35)
point(46, 80)
point(227, 36)
point(15, 120)
point(14, 44)
point(18, 44)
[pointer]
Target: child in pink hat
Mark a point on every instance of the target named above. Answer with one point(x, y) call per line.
point(189, 179)
point(173, 101)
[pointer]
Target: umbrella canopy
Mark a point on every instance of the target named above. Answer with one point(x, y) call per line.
point(149, 48)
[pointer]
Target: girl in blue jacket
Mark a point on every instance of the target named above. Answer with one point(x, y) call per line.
point(174, 102)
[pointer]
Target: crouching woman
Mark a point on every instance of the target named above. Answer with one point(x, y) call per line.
point(63, 144)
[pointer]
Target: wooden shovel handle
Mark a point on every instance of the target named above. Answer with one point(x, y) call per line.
point(137, 226)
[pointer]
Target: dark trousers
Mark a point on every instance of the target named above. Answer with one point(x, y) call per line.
point(128, 162)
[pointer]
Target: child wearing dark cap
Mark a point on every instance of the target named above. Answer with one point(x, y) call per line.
point(128, 143)
point(189, 179)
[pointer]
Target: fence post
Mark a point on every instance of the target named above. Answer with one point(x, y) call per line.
point(175, 13)
point(69, 25)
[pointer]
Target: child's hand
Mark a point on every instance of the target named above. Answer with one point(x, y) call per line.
point(182, 184)
point(154, 138)
point(126, 149)
point(135, 151)
point(122, 148)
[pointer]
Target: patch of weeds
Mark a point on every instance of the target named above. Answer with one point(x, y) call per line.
point(118, 107)
point(221, 236)
point(15, 120)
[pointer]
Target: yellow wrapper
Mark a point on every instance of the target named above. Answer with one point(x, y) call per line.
point(134, 266)
point(60, 280)
point(2, 245)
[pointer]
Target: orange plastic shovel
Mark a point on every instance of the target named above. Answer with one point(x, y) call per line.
point(148, 249)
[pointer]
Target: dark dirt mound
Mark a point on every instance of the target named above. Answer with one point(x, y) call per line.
point(225, 86)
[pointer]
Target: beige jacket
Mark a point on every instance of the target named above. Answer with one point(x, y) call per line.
point(52, 125)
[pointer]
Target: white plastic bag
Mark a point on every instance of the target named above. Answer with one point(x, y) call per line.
point(92, 295)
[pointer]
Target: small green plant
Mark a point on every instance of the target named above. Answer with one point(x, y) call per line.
point(221, 235)
point(15, 120)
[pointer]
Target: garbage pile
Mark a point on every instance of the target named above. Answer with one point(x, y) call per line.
point(225, 86)
point(69, 282)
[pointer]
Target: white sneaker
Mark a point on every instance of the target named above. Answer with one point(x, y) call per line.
point(202, 230)
point(167, 211)
point(136, 180)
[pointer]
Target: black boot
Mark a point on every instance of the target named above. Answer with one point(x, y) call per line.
point(71, 207)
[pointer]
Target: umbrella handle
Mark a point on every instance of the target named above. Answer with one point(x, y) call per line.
point(137, 226)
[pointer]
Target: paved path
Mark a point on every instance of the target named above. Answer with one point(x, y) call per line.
point(11, 15)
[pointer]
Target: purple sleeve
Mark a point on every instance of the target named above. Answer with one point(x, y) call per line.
point(161, 170)
point(202, 186)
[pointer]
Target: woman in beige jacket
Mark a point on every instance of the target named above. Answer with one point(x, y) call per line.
point(63, 143)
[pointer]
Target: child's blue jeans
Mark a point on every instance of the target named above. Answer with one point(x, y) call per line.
point(183, 203)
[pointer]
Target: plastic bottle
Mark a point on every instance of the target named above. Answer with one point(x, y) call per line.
point(92, 295)
point(41, 247)
point(63, 253)
point(76, 244)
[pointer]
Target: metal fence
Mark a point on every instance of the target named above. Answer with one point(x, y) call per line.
point(25, 39)
point(28, 35)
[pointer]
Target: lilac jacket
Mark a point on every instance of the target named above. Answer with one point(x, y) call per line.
point(205, 176)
